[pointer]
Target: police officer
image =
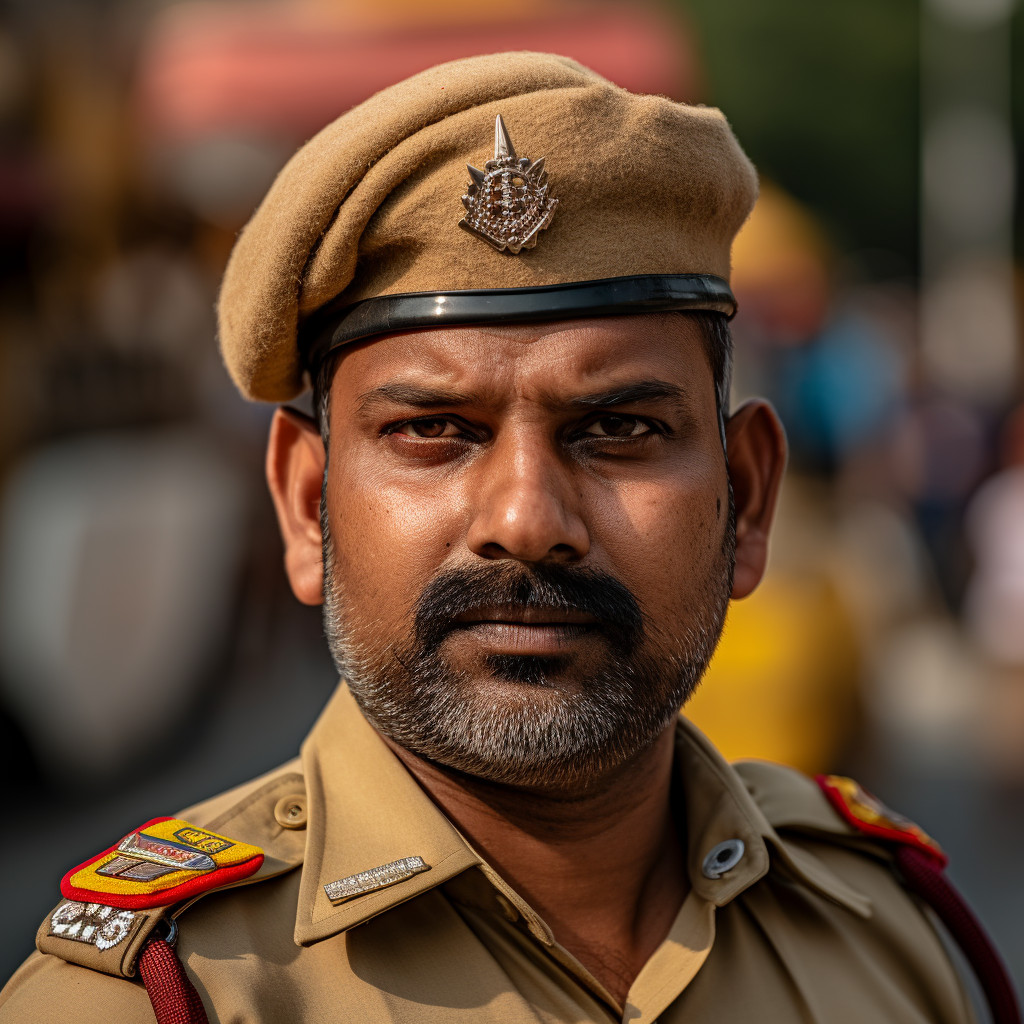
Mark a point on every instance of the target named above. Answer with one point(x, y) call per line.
point(525, 505)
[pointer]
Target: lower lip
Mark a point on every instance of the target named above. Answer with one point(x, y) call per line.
point(522, 638)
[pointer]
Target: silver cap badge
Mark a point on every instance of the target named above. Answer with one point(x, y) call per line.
point(507, 203)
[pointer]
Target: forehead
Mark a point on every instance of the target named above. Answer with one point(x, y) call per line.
point(550, 357)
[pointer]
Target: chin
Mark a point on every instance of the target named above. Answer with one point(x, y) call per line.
point(534, 673)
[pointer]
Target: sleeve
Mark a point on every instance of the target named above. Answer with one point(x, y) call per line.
point(48, 990)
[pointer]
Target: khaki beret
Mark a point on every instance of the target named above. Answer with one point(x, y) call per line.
point(579, 198)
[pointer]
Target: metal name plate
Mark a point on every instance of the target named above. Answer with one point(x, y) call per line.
point(375, 878)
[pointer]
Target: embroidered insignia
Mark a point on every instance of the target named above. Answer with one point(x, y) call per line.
point(101, 926)
point(149, 858)
point(869, 815)
point(162, 862)
point(205, 841)
point(375, 878)
point(507, 203)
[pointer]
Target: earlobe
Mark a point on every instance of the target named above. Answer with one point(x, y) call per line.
point(295, 472)
point(757, 461)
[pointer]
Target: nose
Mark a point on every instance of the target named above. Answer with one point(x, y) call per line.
point(526, 506)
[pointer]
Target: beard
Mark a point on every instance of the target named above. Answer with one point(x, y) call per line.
point(529, 721)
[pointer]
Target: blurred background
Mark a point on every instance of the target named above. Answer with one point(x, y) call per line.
point(150, 651)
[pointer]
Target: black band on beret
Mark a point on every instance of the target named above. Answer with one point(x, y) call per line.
point(331, 327)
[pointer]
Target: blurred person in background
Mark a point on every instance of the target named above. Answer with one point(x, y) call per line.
point(524, 502)
point(994, 603)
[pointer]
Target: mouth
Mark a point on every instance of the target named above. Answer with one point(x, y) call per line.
point(531, 631)
point(520, 615)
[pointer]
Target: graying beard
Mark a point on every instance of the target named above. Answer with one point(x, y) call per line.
point(523, 741)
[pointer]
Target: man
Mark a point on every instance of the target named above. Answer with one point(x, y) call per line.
point(525, 507)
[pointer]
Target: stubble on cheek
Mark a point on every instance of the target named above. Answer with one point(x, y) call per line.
point(526, 721)
point(532, 722)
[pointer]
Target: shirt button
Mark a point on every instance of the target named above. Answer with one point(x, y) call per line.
point(290, 812)
point(722, 858)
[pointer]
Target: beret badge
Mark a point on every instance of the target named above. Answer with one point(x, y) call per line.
point(507, 203)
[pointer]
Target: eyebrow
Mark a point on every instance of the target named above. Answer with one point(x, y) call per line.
point(411, 394)
point(639, 391)
point(432, 398)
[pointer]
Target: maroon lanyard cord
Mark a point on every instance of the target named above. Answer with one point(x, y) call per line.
point(174, 998)
point(925, 877)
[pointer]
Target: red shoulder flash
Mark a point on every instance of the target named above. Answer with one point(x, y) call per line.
point(162, 862)
point(869, 815)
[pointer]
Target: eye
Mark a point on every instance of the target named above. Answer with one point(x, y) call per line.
point(619, 427)
point(428, 429)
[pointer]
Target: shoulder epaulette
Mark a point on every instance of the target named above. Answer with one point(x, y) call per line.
point(867, 814)
point(113, 903)
point(840, 810)
point(120, 909)
point(920, 864)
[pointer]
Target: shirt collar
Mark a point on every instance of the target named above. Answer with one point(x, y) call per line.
point(718, 808)
point(366, 811)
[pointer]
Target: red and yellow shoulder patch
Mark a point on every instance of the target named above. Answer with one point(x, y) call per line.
point(162, 862)
point(869, 815)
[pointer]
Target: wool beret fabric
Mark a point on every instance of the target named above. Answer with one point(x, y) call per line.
point(371, 205)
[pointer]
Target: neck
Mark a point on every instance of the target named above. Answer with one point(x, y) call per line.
point(604, 866)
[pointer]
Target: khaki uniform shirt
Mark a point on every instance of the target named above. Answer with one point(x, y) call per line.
point(810, 926)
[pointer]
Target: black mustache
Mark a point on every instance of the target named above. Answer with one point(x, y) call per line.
point(557, 587)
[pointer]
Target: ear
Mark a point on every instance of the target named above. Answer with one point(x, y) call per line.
point(756, 444)
point(295, 473)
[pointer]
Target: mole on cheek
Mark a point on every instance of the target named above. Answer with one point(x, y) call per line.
point(718, 508)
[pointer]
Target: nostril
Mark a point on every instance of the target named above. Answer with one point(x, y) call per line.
point(565, 553)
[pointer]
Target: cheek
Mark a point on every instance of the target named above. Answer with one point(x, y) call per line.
point(389, 540)
point(664, 539)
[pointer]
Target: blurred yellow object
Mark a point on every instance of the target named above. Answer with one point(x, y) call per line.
point(780, 266)
point(780, 226)
point(783, 683)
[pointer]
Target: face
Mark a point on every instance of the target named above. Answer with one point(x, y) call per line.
point(528, 546)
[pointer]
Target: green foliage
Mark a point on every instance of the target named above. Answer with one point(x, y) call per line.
point(824, 97)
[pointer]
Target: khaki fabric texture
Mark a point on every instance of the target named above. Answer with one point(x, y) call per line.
point(809, 928)
point(370, 206)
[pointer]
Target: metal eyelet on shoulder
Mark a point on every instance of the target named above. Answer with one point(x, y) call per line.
point(171, 938)
point(723, 857)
